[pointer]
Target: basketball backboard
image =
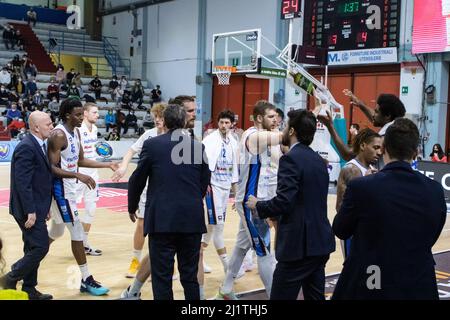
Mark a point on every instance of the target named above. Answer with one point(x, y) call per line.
point(238, 52)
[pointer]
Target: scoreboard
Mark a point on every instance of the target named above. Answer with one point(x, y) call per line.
point(351, 24)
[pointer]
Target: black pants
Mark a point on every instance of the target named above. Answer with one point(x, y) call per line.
point(130, 125)
point(307, 274)
point(35, 248)
point(163, 248)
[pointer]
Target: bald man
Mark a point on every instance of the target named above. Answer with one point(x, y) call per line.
point(30, 199)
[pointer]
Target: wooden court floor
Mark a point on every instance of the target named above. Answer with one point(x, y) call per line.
point(113, 233)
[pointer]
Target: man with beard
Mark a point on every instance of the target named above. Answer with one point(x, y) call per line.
point(367, 146)
point(304, 238)
point(259, 153)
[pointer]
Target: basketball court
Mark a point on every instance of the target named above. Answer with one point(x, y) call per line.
point(112, 231)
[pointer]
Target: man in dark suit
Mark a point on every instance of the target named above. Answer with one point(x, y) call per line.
point(31, 195)
point(178, 177)
point(304, 238)
point(395, 217)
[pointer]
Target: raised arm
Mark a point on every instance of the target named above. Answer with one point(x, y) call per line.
point(345, 152)
point(369, 113)
point(259, 141)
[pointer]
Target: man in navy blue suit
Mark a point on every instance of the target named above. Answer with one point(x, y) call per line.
point(30, 198)
point(395, 217)
point(304, 238)
point(178, 176)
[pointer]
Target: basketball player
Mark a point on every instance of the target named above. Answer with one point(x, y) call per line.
point(367, 147)
point(221, 149)
point(88, 134)
point(139, 239)
point(259, 156)
point(66, 155)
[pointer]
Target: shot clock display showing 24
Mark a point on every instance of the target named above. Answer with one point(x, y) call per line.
point(351, 24)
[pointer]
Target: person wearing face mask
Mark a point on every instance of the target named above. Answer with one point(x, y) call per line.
point(110, 120)
point(20, 87)
point(96, 86)
point(5, 77)
point(31, 88)
point(38, 100)
point(54, 107)
point(53, 90)
point(137, 94)
point(73, 91)
point(130, 121)
point(113, 84)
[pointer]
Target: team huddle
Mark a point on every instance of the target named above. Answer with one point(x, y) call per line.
point(276, 179)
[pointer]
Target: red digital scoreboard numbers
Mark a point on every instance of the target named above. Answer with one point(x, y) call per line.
point(352, 24)
point(290, 9)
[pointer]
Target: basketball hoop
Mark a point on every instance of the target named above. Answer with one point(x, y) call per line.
point(223, 74)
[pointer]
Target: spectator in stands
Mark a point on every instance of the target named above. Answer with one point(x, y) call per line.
point(110, 120)
point(70, 75)
point(156, 95)
point(113, 136)
point(12, 114)
point(38, 100)
point(123, 83)
point(13, 96)
point(15, 126)
point(8, 37)
point(5, 77)
point(17, 64)
point(20, 105)
point(126, 102)
point(78, 83)
point(118, 94)
point(60, 75)
point(4, 96)
point(149, 122)
point(19, 86)
point(120, 120)
point(29, 104)
point(31, 88)
point(130, 122)
point(19, 40)
point(9, 68)
point(22, 134)
point(113, 84)
point(53, 106)
point(438, 154)
point(29, 69)
point(32, 16)
point(96, 86)
point(73, 91)
point(53, 90)
point(137, 94)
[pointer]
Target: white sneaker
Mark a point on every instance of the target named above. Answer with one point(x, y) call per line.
point(241, 272)
point(206, 268)
point(127, 296)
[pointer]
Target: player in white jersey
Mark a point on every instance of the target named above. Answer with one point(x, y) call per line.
point(222, 151)
point(367, 147)
point(258, 159)
point(139, 239)
point(66, 156)
point(89, 139)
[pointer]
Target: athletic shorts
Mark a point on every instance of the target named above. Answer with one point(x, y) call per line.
point(216, 200)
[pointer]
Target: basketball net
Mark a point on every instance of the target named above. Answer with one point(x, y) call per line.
point(223, 74)
point(223, 77)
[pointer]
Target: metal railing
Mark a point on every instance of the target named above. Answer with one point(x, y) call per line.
point(63, 41)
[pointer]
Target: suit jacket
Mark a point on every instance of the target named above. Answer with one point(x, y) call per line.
point(301, 202)
point(395, 217)
point(175, 188)
point(31, 181)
